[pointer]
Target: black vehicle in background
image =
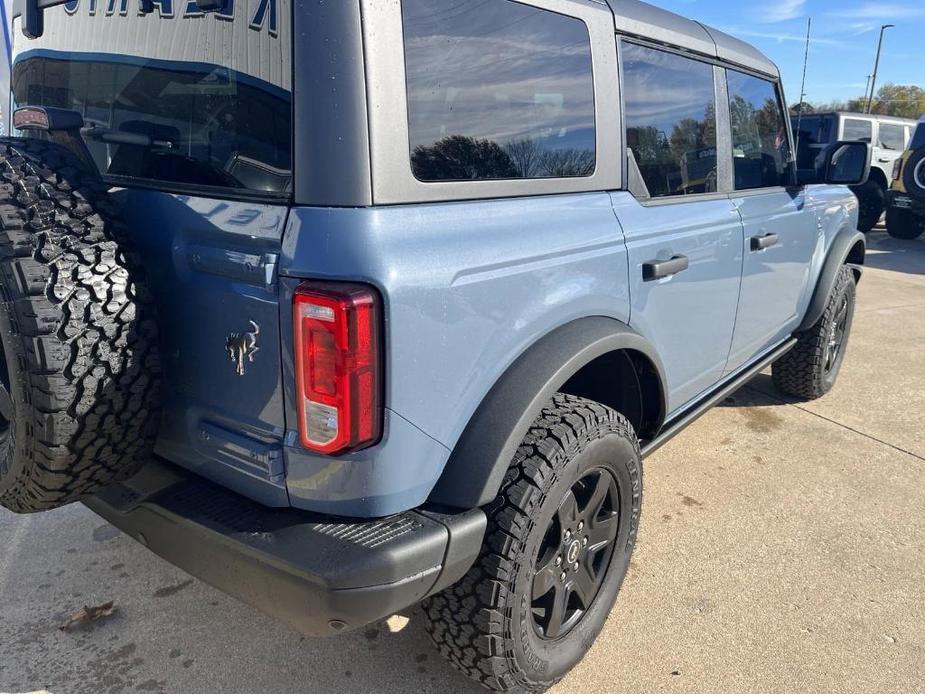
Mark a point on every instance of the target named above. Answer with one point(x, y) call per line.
point(905, 212)
point(889, 137)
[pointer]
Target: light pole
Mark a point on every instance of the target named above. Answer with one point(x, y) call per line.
point(873, 81)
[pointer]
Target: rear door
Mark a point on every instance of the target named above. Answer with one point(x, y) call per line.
point(683, 236)
point(780, 234)
point(189, 116)
point(891, 142)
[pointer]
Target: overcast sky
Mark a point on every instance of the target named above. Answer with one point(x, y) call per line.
point(845, 34)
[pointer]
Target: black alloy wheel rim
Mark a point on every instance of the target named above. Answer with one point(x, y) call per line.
point(836, 337)
point(575, 554)
point(6, 400)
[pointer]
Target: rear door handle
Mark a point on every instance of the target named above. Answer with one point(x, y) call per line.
point(759, 243)
point(884, 160)
point(658, 269)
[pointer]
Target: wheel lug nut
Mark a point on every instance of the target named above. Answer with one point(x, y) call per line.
point(568, 535)
point(581, 526)
point(562, 577)
point(584, 542)
point(575, 566)
point(558, 561)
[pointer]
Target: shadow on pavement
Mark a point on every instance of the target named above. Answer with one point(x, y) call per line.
point(886, 253)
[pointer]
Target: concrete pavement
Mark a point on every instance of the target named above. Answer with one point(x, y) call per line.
point(782, 549)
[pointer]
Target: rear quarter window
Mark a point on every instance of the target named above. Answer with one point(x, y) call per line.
point(497, 90)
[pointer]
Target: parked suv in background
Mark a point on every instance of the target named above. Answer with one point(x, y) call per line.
point(889, 136)
point(341, 306)
point(905, 212)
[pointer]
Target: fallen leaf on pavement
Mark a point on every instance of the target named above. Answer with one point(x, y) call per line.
point(88, 614)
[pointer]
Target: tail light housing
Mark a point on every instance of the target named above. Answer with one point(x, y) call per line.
point(898, 169)
point(338, 366)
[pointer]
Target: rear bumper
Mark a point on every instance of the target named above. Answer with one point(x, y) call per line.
point(319, 574)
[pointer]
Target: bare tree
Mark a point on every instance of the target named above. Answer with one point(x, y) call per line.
point(526, 155)
point(562, 163)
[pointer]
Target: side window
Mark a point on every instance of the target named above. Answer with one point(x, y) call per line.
point(857, 129)
point(497, 90)
point(892, 137)
point(670, 115)
point(760, 139)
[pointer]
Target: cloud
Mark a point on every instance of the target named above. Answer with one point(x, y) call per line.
point(881, 11)
point(782, 11)
point(781, 36)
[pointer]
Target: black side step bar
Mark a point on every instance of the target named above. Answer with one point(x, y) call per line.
point(692, 414)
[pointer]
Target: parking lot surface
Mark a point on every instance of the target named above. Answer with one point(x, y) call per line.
point(782, 549)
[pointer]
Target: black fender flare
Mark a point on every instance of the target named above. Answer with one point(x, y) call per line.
point(480, 459)
point(841, 251)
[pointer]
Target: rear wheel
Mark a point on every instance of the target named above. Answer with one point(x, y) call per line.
point(560, 535)
point(79, 368)
point(810, 369)
point(904, 224)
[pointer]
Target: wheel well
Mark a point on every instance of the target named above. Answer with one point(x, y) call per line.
point(856, 257)
point(626, 381)
point(878, 177)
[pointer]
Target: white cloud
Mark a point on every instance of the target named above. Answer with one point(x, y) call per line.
point(782, 11)
point(881, 11)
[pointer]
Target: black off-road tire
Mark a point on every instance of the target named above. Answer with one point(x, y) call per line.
point(904, 224)
point(914, 175)
point(79, 340)
point(872, 202)
point(484, 624)
point(810, 369)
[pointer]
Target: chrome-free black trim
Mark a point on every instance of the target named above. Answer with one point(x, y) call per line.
point(320, 574)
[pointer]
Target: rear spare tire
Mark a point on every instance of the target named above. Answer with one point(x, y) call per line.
point(904, 224)
point(79, 374)
point(914, 175)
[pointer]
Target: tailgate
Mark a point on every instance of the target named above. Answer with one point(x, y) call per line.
point(211, 266)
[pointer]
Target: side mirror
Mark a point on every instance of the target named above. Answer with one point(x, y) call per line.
point(842, 164)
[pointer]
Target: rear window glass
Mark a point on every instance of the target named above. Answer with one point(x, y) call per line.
point(670, 122)
point(172, 99)
point(856, 129)
point(497, 90)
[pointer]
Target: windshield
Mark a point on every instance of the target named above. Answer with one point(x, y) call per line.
point(177, 98)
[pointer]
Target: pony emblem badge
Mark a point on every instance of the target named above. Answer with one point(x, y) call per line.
point(241, 347)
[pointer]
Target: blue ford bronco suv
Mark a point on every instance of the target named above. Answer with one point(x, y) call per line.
point(344, 306)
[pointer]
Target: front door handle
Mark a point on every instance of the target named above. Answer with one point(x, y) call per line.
point(658, 269)
point(884, 160)
point(759, 243)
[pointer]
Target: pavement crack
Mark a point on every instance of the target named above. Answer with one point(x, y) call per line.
point(835, 422)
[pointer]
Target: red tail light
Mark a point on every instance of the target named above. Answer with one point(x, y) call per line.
point(898, 169)
point(338, 372)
